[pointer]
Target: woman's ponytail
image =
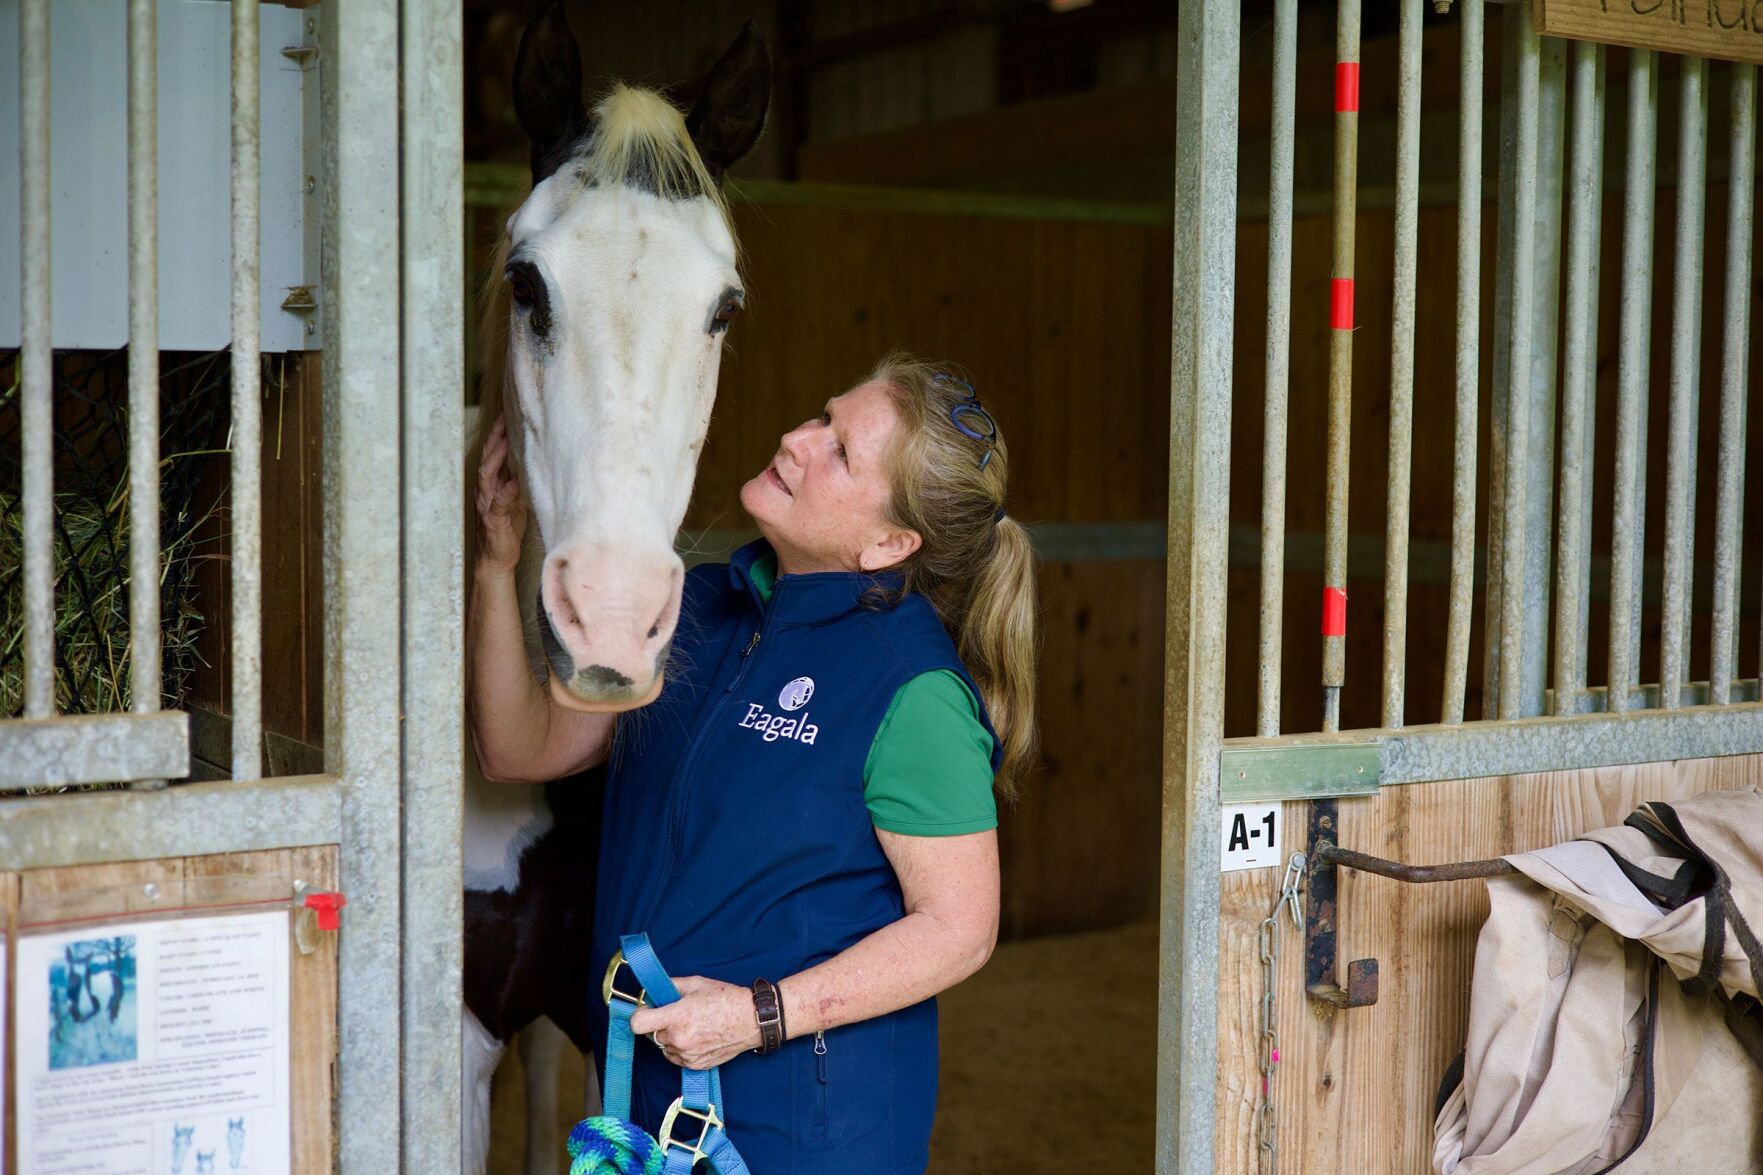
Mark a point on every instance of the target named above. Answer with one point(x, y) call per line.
point(975, 564)
point(999, 642)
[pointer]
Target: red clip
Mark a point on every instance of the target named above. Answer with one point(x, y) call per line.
point(1334, 612)
point(329, 907)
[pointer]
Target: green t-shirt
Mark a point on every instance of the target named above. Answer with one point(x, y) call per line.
point(929, 771)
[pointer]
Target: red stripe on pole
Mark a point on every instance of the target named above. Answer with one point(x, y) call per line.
point(1346, 87)
point(1334, 612)
point(1340, 303)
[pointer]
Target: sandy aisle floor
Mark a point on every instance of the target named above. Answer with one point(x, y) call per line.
point(1048, 1062)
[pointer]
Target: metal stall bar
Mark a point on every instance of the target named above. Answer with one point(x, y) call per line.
point(145, 682)
point(1629, 513)
point(1686, 345)
point(433, 649)
point(1395, 574)
point(1735, 355)
point(246, 444)
point(1279, 354)
point(1579, 375)
point(362, 586)
point(1468, 361)
point(1340, 362)
point(1197, 584)
point(1520, 386)
point(36, 361)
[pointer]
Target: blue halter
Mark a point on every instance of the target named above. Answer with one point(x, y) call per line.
point(700, 1099)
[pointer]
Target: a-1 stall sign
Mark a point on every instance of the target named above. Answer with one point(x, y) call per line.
point(1250, 836)
point(1731, 30)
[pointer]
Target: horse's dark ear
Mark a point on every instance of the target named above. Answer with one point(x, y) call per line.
point(729, 116)
point(548, 89)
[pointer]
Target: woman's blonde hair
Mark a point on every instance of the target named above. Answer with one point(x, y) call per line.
point(975, 564)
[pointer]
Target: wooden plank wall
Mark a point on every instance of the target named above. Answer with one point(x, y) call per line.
point(1355, 1088)
point(293, 561)
point(117, 889)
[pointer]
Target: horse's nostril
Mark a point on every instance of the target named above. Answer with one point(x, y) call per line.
point(655, 632)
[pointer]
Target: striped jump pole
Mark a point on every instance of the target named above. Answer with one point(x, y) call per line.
point(1340, 363)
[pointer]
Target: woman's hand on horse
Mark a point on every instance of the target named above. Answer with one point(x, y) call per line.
point(710, 1024)
point(501, 507)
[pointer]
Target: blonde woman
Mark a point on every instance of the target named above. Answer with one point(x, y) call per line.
point(804, 822)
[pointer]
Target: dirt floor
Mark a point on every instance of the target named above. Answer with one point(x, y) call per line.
point(1049, 1062)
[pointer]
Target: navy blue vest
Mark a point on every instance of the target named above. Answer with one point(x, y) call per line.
point(737, 836)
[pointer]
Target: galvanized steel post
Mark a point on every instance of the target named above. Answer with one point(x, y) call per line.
point(1520, 387)
point(1539, 465)
point(1197, 585)
point(246, 564)
point(1340, 362)
point(1473, 17)
point(1735, 356)
point(36, 361)
point(1279, 354)
point(1579, 374)
point(1686, 349)
point(1395, 575)
point(143, 170)
point(433, 652)
point(361, 583)
point(1629, 513)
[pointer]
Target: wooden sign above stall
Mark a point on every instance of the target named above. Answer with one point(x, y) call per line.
point(1730, 30)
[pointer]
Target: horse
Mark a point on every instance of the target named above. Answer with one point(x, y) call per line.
point(603, 328)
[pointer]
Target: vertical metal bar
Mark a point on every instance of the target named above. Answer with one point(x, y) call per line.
point(432, 140)
point(1395, 610)
point(36, 361)
point(247, 443)
point(362, 528)
point(1279, 351)
point(144, 638)
point(1199, 524)
point(1686, 349)
point(1629, 512)
point(1735, 355)
point(1579, 372)
point(1540, 395)
point(1340, 362)
point(1469, 213)
point(1520, 389)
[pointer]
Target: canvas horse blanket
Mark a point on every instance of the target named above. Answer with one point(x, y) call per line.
point(1614, 1021)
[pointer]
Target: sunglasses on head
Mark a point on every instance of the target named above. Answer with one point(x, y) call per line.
point(968, 417)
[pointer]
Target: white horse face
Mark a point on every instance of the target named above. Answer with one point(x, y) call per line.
point(621, 302)
point(622, 281)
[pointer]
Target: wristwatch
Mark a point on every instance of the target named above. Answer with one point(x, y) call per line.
point(769, 1007)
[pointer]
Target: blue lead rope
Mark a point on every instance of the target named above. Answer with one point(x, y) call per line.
point(612, 1143)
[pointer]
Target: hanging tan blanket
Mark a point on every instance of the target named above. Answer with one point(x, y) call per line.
point(1614, 1023)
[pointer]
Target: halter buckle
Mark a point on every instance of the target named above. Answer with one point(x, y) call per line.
point(708, 1119)
point(609, 987)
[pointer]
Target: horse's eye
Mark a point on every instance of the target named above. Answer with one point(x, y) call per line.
point(521, 286)
point(725, 313)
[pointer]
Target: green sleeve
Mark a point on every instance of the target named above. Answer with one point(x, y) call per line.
point(929, 771)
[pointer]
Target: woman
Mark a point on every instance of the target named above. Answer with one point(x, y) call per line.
point(807, 808)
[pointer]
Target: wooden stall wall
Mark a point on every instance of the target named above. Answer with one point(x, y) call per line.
point(292, 462)
point(1354, 1088)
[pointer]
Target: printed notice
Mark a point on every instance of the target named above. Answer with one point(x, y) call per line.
point(155, 1048)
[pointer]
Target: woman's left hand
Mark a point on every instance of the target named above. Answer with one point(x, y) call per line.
point(712, 1022)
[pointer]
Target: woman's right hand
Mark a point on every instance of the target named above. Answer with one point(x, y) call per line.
point(501, 507)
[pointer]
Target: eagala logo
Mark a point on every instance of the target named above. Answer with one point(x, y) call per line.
point(772, 727)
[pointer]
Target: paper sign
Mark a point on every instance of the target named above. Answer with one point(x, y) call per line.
point(1250, 836)
point(154, 1048)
